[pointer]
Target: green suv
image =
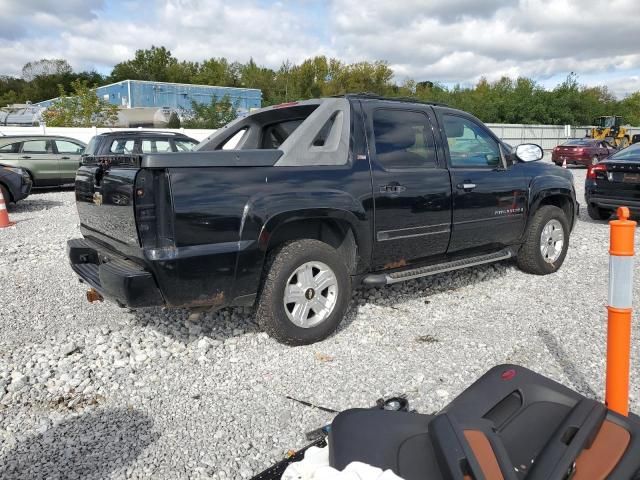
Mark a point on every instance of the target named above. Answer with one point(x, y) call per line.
point(50, 161)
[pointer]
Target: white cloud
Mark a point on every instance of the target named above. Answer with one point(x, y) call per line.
point(460, 41)
point(440, 40)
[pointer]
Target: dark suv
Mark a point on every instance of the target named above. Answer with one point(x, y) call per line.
point(139, 141)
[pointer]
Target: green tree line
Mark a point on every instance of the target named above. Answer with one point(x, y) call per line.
point(520, 100)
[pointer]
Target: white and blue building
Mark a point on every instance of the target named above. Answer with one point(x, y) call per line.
point(150, 103)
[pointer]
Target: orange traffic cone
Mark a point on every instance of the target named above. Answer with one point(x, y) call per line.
point(4, 215)
point(564, 163)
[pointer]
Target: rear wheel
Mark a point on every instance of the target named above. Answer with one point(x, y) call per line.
point(305, 293)
point(624, 143)
point(546, 242)
point(597, 213)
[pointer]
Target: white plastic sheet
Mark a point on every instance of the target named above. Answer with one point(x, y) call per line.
point(315, 466)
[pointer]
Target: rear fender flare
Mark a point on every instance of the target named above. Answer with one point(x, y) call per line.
point(357, 225)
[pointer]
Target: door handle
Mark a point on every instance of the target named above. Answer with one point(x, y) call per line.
point(466, 186)
point(393, 188)
point(65, 158)
point(26, 156)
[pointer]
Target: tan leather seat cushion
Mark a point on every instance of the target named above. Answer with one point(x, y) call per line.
point(608, 447)
point(483, 452)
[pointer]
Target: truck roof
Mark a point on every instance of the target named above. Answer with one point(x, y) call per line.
point(373, 96)
point(141, 132)
point(350, 96)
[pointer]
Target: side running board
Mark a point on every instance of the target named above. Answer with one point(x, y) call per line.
point(378, 279)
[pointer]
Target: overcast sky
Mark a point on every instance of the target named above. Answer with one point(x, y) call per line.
point(451, 41)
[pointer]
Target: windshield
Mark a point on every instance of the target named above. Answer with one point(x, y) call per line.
point(630, 153)
point(89, 150)
point(579, 141)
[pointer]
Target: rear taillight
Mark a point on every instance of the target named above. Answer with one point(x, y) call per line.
point(153, 209)
point(592, 171)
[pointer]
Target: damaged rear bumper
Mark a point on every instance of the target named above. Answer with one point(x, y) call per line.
point(117, 279)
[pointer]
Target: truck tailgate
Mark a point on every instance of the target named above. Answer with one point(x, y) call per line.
point(104, 198)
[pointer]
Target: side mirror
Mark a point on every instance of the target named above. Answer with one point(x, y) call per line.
point(529, 152)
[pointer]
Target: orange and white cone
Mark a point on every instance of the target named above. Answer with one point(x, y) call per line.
point(4, 215)
point(564, 163)
point(621, 252)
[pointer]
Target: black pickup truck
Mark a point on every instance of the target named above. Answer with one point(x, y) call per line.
point(294, 205)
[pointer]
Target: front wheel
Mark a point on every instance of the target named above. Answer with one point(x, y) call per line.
point(546, 242)
point(305, 293)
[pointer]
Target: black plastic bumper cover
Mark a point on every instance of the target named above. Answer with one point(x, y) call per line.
point(121, 280)
point(613, 203)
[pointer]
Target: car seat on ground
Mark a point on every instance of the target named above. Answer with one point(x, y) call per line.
point(510, 424)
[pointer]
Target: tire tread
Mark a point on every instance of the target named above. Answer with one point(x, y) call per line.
point(529, 258)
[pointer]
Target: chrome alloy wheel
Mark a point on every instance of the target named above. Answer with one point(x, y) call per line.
point(551, 241)
point(310, 294)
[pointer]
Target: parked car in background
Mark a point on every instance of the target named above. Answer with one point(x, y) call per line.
point(129, 142)
point(49, 161)
point(613, 183)
point(582, 151)
point(15, 184)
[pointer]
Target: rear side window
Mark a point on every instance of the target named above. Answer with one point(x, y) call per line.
point(233, 142)
point(122, 146)
point(65, 146)
point(156, 146)
point(275, 134)
point(403, 139)
point(36, 146)
point(10, 148)
point(184, 145)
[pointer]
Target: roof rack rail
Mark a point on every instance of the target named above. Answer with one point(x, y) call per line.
point(375, 96)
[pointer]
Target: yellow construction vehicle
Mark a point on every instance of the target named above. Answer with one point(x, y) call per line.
point(610, 129)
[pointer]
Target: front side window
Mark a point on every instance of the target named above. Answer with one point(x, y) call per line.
point(35, 146)
point(470, 145)
point(156, 146)
point(403, 139)
point(64, 146)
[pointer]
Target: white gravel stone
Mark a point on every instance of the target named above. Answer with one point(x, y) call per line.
point(95, 391)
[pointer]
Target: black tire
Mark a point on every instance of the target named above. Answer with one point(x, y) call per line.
point(624, 143)
point(530, 258)
point(597, 213)
point(281, 265)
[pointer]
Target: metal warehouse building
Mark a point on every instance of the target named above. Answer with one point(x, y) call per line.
point(177, 96)
point(144, 103)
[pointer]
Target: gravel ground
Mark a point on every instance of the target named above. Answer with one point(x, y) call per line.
point(95, 391)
